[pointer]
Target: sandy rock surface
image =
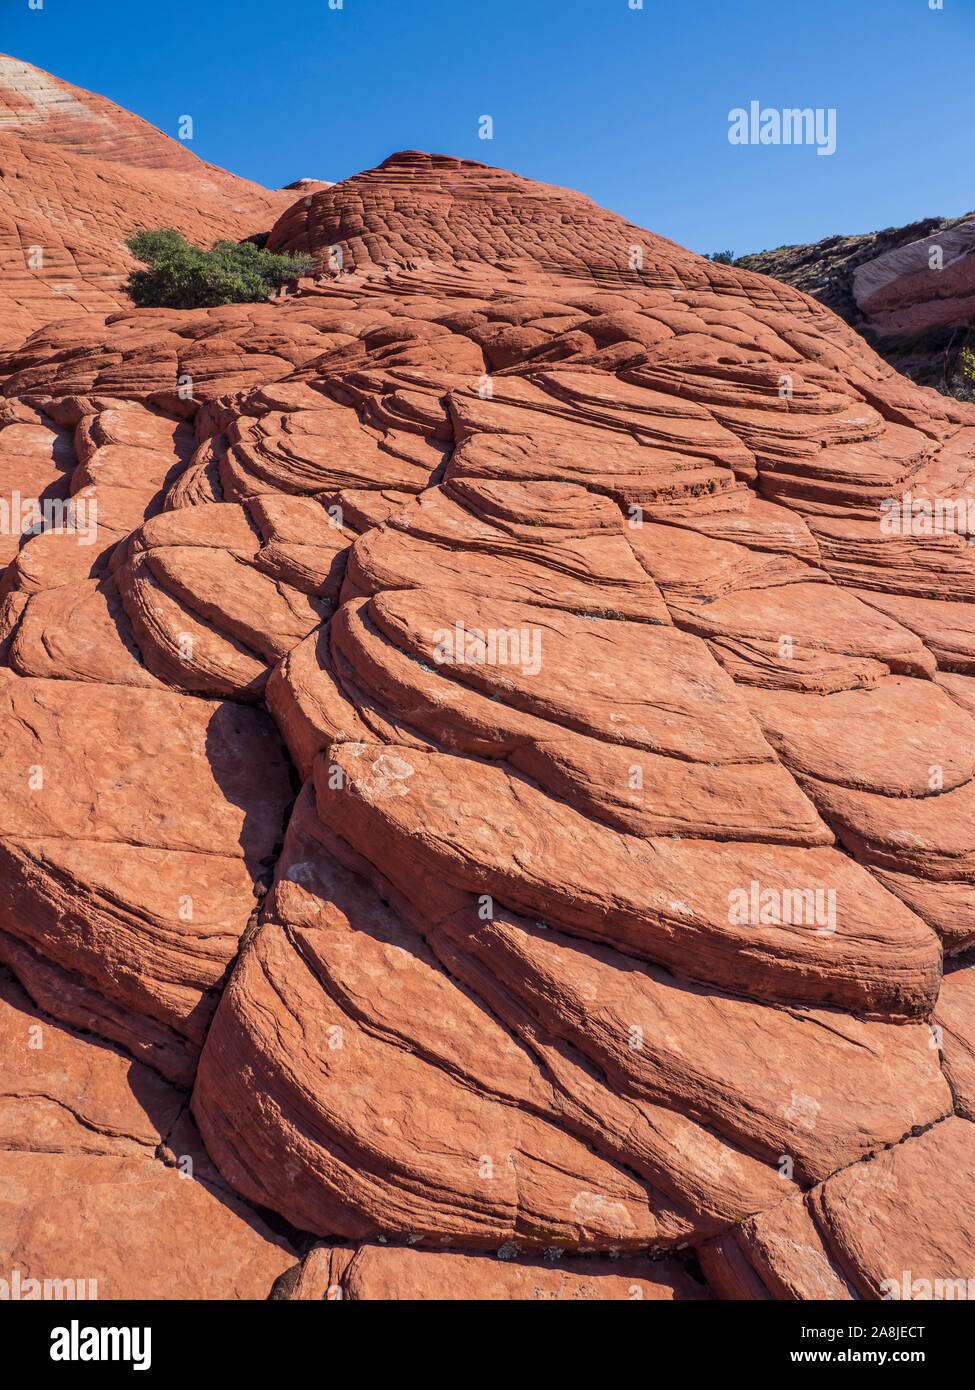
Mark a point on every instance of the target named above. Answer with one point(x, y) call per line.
point(488, 765)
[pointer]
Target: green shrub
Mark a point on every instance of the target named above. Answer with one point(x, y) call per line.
point(966, 361)
point(184, 276)
point(722, 257)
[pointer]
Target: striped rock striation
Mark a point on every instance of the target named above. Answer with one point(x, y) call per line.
point(495, 765)
point(79, 174)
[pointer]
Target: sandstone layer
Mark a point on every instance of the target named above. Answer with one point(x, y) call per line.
point(78, 175)
point(492, 768)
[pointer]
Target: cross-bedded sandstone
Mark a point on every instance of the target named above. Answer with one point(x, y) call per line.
point(635, 756)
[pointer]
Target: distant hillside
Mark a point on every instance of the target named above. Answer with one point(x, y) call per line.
point(883, 284)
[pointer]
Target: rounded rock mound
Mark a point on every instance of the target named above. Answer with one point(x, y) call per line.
point(509, 650)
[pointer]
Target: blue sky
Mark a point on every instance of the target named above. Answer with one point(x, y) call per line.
point(629, 105)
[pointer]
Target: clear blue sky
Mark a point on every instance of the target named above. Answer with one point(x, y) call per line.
point(630, 106)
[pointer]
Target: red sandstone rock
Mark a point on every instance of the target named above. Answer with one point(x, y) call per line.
point(787, 1252)
point(954, 1021)
point(103, 1182)
point(79, 175)
point(62, 1094)
point(170, 1238)
point(884, 1218)
point(637, 759)
point(374, 1272)
point(136, 824)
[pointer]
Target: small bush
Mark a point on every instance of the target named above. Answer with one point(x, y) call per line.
point(184, 276)
point(966, 362)
point(722, 257)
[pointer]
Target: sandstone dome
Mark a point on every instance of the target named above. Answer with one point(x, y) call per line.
point(642, 944)
point(78, 174)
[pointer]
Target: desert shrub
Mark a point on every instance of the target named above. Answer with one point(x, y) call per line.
point(722, 257)
point(181, 275)
point(966, 363)
point(957, 367)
